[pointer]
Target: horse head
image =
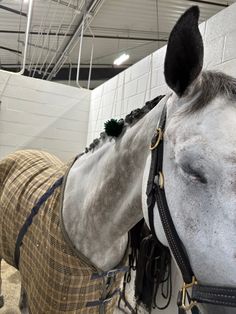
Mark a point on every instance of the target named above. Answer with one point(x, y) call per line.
point(199, 158)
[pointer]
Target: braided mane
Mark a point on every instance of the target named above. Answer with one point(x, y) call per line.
point(129, 120)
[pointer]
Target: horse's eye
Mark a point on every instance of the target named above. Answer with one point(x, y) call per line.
point(195, 175)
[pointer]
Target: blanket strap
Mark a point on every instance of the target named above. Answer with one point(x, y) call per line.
point(102, 302)
point(29, 219)
point(110, 273)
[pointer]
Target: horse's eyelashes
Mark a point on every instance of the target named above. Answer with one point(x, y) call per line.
point(200, 178)
point(195, 175)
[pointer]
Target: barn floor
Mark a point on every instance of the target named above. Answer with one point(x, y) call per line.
point(11, 290)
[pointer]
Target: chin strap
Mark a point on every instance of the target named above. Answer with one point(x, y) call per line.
point(223, 296)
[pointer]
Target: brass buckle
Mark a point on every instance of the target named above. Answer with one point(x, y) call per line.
point(161, 180)
point(184, 290)
point(160, 136)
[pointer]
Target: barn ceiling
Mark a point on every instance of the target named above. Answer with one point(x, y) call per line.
point(111, 27)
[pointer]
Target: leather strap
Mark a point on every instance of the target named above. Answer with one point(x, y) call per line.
point(214, 295)
point(110, 273)
point(156, 194)
point(29, 219)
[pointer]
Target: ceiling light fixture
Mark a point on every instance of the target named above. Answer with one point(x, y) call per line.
point(121, 59)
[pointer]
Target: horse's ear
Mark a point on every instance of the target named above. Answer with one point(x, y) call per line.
point(184, 55)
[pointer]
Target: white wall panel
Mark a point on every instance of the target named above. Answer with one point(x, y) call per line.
point(230, 47)
point(221, 24)
point(42, 115)
point(214, 52)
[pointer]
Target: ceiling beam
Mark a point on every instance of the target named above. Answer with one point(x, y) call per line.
point(97, 73)
point(101, 73)
point(90, 36)
point(33, 33)
point(11, 50)
point(3, 7)
point(126, 38)
point(210, 3)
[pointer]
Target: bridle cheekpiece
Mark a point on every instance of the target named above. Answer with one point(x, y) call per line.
point(224, 296)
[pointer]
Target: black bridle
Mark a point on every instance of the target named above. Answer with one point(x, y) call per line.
point(223, 296)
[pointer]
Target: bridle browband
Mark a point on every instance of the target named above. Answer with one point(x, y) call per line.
point(224, 296)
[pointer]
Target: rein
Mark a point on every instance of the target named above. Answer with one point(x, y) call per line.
point(224, 296)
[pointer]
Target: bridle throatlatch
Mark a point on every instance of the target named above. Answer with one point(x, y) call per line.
point(224, 296)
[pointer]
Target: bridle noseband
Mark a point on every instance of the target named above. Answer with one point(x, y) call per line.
point(224, 296)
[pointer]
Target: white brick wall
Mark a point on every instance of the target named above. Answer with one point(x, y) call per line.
point(145, 80)
point(42, 115)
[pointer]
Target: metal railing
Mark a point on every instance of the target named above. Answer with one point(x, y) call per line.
point(52, 32)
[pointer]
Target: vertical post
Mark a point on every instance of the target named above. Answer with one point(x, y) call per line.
point(29, 15)
point(79, 56)
point(70, 68)
point(91, 60)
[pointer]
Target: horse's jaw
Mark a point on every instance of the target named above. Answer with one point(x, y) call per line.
point(160, 233)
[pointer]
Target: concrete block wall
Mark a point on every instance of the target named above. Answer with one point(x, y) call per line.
point(42, 115)
point(145, 80)
point(127, 91)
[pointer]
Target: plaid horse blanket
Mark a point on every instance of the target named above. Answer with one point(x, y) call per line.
point(55, 278)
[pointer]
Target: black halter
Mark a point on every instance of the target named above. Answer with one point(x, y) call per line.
point(223, 296)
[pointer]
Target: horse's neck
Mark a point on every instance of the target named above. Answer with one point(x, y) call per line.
point(102, 199)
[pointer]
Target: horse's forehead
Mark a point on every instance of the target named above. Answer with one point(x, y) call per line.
point(216, 122)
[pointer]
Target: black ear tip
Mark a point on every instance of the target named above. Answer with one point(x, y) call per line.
point(184, 55)
point(193, 11)
point(189, 17)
